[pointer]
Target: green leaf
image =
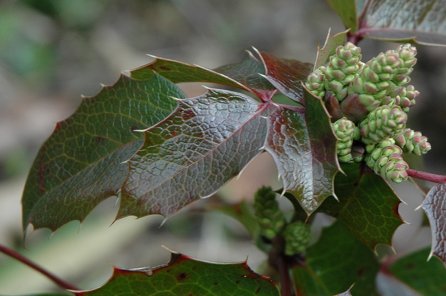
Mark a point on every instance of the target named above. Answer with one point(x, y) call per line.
point(184, 276)
point(329, 47)
point(346, 9)
point(179, 72)
point(424, 277)
point(189, 155)
point(367, 206)
point(286, 75)
point(247, 73)
point(422, 21)
point(435, 208)
point(334, 263)
point(303, 146)
point(82, 163)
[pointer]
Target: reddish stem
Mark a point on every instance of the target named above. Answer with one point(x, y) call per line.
point(58, 281)
point(426, 176)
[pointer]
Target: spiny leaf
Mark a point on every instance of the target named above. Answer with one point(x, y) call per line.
point(334, 263)
point(303, 147)
point(185, 276)
point(435, 207)
point(367, 206)
point(178, 72)
point(286, 75)
point(81, 164)
point(424, 277)
point(346, 9)
point(194, 151)
point(247, 73)
point(422, 21)
point(329, 47)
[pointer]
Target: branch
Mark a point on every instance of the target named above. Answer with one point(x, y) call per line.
point(278, 260)
point(58, 281)
point(427, 176)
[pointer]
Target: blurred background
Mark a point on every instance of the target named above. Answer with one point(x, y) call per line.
point(51, 52)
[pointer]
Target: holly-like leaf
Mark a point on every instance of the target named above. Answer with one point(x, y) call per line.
point(303, 146)
point(179, 72)
point(194, 151)
point(367, 206)
point(346, 9)
point(435, 207)
point(329, 47)
point(422, 21)
point(247, 73)
point(286, 75)
point(184, 276)
point(334, 263)
point(424, 277)
point(81, 164)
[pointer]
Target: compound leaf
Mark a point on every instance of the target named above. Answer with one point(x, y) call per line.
point(424, 277)
point(422, 21)
point(81, 163)
point(185, 276)
point(334, 263)
point(367, 206)
point(303, 146)
point(435, 207)
point(194, 151)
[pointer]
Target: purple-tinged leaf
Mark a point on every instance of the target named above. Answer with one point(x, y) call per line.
point(435, 207)
point(303, 146)
point(186, 276)
point(286, 75)
point(189, 155)
point(247, 73)
point(81, 164)
point(179, 72)
point(329, 47)
point(422, 21)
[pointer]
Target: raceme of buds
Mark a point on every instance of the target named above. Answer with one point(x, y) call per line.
point(387, 161)
point(297, 238)
point(267, 212)
point(374, 99)
point(315, 82)
point(383, 122)
point(342, 69)
point(345, 131)
point(412, 141)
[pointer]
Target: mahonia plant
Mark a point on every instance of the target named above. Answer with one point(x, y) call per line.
point(157, 150)
point(374, 100)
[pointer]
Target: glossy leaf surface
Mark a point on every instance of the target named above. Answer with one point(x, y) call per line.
point(420, 20)
point(435, 207)
point(303, 147)
point(81, 164)
point(190, 154)
point(286, 75)
point(184, 276)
